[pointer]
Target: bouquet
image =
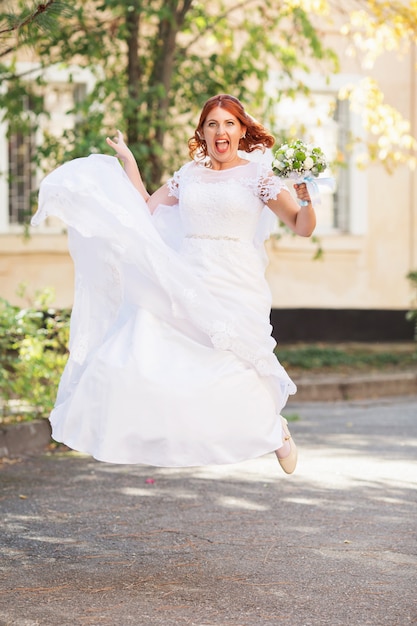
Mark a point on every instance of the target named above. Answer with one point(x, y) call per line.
point(302, 162)
point(297, 160)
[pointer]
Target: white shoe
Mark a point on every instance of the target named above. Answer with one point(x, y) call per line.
point(289, 462)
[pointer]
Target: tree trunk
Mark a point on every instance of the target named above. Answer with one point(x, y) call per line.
point(163, 69)
point(134, 74)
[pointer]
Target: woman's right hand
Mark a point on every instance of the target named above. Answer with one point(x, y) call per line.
point(129, 163)
point(120, 147)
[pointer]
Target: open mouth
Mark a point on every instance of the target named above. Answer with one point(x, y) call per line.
point(222, 145)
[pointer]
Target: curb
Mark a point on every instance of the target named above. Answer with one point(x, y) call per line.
point(333, 389)
point(28, 438)
point(24, 438)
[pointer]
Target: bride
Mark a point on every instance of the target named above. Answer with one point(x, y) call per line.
point(171, 355)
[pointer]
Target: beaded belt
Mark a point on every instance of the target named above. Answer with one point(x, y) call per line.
point(213, 237)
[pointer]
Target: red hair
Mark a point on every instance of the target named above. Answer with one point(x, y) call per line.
point(256, 138)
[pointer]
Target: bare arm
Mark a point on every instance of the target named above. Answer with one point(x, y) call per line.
point(129, 163)
point(301, 220)
point(161, 196)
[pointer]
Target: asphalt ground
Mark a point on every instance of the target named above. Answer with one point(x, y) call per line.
point(86, 543)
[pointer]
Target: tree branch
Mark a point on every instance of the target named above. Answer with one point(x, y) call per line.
point(41, 8)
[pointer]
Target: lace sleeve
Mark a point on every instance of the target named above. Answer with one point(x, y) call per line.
point(269, 185)
point(173, 185)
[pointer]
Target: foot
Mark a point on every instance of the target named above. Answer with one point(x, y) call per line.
point(287, 453)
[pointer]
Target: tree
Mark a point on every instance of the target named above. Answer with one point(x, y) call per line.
point(373, 27)
point(18, 26)
point(156, 61)
point(152, 59)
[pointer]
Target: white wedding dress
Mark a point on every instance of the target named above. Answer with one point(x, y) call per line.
point(171, 356)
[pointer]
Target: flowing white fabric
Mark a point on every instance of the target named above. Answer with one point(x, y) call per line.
point(171, 355)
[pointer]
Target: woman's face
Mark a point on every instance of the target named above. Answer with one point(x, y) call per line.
point(222, 132)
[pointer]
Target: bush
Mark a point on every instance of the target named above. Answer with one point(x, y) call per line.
point(33, 354)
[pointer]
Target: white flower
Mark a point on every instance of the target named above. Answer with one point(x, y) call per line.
point(295, 158)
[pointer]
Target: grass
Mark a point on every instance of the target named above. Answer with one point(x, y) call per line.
point(347, 358)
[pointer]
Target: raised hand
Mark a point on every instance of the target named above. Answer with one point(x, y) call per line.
point(120, 147)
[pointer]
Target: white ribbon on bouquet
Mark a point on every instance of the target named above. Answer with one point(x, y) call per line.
point(313, 183)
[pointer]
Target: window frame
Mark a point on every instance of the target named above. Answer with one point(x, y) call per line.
point(54, 75)
point(357, 211)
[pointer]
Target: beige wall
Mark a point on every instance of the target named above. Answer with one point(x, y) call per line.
point(367, 271)
point(39, 262)
point(362, 271)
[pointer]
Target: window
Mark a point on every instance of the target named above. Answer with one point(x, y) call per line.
point(341, 207)
point(317, 119)
point(19, 178)
point(323, 119)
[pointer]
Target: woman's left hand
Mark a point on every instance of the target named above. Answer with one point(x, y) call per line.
point(302, 192)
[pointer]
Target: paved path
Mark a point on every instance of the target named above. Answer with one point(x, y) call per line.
point(84, 543)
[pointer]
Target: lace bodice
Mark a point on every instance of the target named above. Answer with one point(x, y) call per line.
point(223, 204)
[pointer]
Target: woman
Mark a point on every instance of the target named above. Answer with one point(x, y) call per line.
point(171, 355)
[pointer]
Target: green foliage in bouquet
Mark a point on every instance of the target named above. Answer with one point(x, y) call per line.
point(297, 159)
